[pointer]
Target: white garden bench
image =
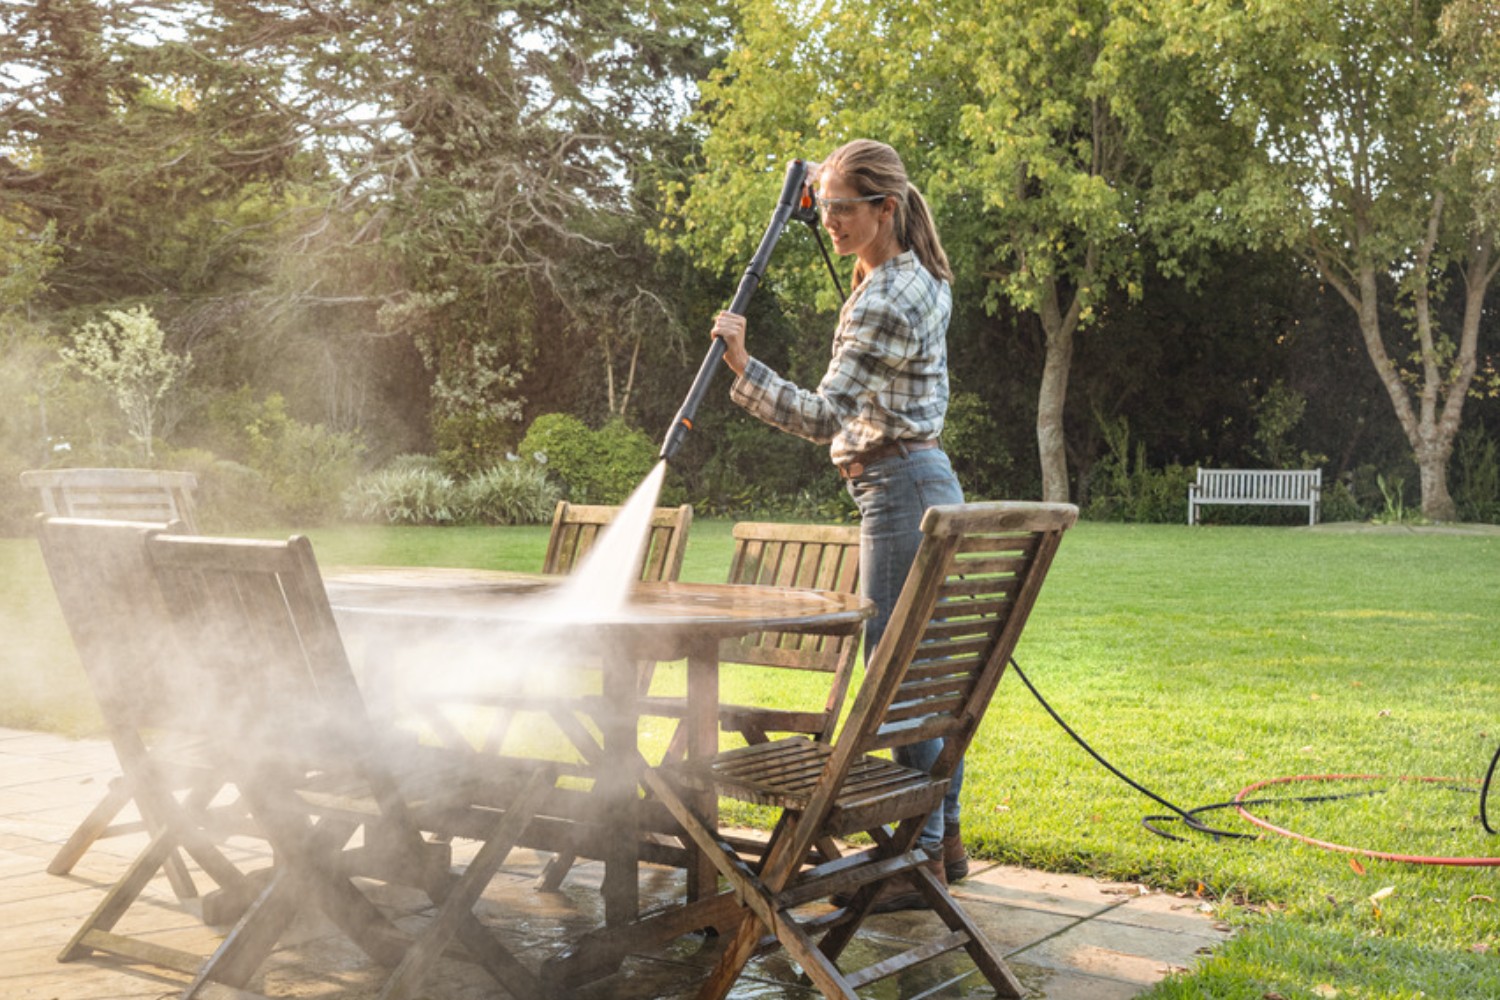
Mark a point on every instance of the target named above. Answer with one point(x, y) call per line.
point(1279, 487)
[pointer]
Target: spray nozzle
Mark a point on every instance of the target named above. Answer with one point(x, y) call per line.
point(807, 207)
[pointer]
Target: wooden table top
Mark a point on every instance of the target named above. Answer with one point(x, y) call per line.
point(499, 598)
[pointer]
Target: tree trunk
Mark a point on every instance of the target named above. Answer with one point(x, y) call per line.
point(1430, 428)
point(1059, 328)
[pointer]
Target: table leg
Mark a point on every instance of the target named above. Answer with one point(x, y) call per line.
point(702, 742)
point(618, 789)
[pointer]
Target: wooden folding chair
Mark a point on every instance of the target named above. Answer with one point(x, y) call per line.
point(292, 729)
point(965, 602)
point(575, 528)
point(147, 495)
point(813, 556)
point(113, 609)
point(137, 495)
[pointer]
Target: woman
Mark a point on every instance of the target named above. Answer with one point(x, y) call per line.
point(880, 405)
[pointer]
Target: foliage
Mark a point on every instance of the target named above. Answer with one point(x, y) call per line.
point(1394, 510)
point(1120, 489)
point(306, 466)
point(1035, 127)
point(1339, 504)
point(601, 466)
point(516, 492)
point(1478, 492)
point(126, 353)
point(972, 439)
point(402, 495)
point(1277, 414)
point(475, 412)
point(416, 490)
point(751, 463)
point(25, 259)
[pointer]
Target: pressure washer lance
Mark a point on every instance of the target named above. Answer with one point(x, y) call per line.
point(796, 202)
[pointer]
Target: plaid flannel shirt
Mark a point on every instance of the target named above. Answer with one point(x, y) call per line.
point(888, 378)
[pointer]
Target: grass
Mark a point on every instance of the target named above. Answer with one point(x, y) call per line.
point(1198, 661)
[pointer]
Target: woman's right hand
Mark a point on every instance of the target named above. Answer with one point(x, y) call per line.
point(730, 327)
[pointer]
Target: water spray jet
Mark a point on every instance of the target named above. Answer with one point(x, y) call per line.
point(796, 202)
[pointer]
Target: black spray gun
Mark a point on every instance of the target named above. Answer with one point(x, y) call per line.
point(796, 202)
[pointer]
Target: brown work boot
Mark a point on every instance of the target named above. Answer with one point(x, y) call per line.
point(897, 893)
point(955, 858)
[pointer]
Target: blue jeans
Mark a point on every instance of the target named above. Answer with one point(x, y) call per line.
point(892, 495)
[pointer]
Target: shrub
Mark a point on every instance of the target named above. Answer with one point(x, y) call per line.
point(972, 439)
point(1339, 504)
point(402, 496)
point(306, 467)
point(1122, 490)
point(1478, 492)
point(603, 466)
point(471, 442)
point(231, 496)
point(508, 493)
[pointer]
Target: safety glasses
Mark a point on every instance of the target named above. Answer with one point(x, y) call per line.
point(842, 208)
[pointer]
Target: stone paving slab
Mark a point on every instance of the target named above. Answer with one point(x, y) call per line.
point(1067, 937)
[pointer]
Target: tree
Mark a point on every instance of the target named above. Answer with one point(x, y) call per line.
point(296, 185)
point(1369, 138)
point(1039, 130)
point(491, 150)
point(127, 354)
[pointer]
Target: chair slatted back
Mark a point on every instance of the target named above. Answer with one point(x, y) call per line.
point(820, 557)
point(273, 671)
point(115, 615)
point(576, 527)
point(966, 600)
point(145, 495)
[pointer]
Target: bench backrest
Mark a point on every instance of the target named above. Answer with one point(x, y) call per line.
point(1263, 484)
point(149, 495)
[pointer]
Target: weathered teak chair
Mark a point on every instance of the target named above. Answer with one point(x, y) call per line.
point(575, 528)
point(292, 730)
point(110, 602)
point(147, 495)
point(819, 557)
point(965, 602)
point(142, 495)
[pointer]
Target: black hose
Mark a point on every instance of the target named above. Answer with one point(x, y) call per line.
point(1189, 817)
point(1484, 793)
point(832, 272)
point(1186, 815)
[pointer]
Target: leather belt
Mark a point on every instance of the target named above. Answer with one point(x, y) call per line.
point(855, 467)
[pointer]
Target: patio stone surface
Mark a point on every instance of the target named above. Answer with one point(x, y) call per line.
point(1067, 937)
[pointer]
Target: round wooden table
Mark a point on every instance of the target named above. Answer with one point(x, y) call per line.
point(656, 621)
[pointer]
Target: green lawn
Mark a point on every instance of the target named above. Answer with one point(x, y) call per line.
point(1198, 661)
